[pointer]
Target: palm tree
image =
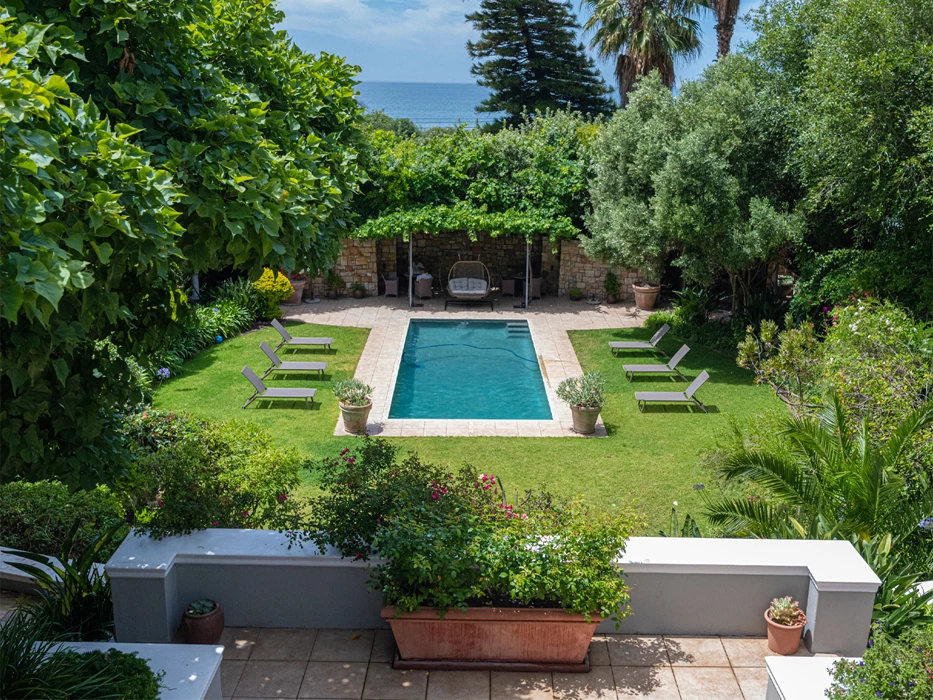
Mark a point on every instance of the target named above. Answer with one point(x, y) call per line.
point(726, 12)
point(643, 35)
point(830, 479)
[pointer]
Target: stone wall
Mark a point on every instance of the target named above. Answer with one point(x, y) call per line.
point(356, 263)
point(577, 270)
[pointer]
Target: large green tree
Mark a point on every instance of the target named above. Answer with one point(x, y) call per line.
point(528, 55)
point(641, 36)
point(699, 176)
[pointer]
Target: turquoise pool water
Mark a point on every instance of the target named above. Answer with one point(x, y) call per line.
point(469, 369)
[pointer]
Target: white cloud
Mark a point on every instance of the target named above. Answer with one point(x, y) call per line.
point(434, 24)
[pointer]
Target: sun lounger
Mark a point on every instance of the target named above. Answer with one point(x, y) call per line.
point(669, 368)
point(652, 344)
point(264, 392)
point(645, 397)
point(287, 338)
point(277, 364)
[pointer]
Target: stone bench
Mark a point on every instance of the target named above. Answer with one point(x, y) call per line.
point(192, 671)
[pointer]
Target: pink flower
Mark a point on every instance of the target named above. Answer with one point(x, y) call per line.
point(435, 495)
point(215, 523)
point(245, 513)
point(352, 460)
point(344, 451)
point(282, 498)
point(161, 504)
point(379, 521)
point(358, 556)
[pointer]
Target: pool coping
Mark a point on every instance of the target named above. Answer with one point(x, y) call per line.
point(387, 365)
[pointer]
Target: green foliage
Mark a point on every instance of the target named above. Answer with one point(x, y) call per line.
point(202, 606)
point(583, 392)
point(529, 57)
point(575, 294)
point(272, 288)
point(203, 474)
point(786, 611)
point(353, 392)
point(37, 517)
point(378, 120)
point(89, 230)
point(690, 321)
point(523, 180)
point(451, 540)
point(240, 291)
point(74, 595)
point(32, 669)
point(611, 283)
point(894, 669)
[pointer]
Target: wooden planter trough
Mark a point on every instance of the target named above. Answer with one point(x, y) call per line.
point(509, 639)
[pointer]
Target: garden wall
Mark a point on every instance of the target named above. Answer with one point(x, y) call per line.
point(678, 586)
point(356, 263)
point(577, 270)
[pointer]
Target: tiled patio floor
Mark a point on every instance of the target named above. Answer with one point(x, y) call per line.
point(343, 664)
point(549, 320)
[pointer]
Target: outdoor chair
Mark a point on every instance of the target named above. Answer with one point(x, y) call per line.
point(391, 284)
point(287, 338)
point(652, 344)
point(277, 364)
point(646, 397)
point(535, 292)
point(506, 286)
point(669, 368)
point(264, 392)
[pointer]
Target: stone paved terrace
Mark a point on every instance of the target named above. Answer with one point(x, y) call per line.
point(355, 665)
point(549, 319)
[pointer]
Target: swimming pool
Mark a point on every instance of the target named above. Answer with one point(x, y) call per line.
point(469, 369)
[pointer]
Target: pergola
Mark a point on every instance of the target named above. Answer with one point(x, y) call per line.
point(434, 220)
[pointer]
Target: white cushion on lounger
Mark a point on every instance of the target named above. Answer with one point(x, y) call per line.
point(467, 286)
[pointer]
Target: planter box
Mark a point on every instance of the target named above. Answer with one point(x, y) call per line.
point(513, 638)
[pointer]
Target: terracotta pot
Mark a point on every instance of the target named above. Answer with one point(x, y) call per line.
point(646, 296)
point(783, 639)
point(357, 294)
point(584, 419)
point(355, 417)
point(298, 288)
point(331, 293)
point(492, 634)
point(203, 629)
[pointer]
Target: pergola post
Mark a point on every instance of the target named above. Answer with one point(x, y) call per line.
point(527, 271)
point(411, 300)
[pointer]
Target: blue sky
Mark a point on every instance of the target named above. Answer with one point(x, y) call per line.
point(419, 40)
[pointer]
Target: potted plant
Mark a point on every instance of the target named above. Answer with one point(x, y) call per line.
point(586, 398)
point(785, 625)
point(575, 293)
point(359, 291)
point(611, 287)
point(355, 404)
point(334, 283)
point(468, 578)
point(646, 294)
point(298, 282)
point(203, 622)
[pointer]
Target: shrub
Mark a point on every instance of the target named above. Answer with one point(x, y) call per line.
point(454, 540)
point(273, 288)
point(205, 474)
point(611, 283)
point(37, 517)
point(583, 392)
point(241, 292)
point(352, 392)
point(689, 319)
point(893, 669)
point(575, 293)
point(30, 668)
point(74, 600)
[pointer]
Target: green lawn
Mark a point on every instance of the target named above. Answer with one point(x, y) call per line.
point(649, 459)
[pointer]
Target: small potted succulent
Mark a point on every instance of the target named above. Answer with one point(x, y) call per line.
point(575, 293)
point(785, 625)
point(359, 291)
point(586, 398)
point(334, 283)
point(203, 622)
point(355, 404)
point(611, 287)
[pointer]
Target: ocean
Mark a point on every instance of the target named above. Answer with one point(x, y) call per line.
point(427, 104)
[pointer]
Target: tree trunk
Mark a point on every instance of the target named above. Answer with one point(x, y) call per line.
point(724, 31)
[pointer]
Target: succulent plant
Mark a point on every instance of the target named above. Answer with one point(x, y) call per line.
point(786, 611)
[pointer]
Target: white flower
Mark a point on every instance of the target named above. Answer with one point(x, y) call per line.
point(675, 503)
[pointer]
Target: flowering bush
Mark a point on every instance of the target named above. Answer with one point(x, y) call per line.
point(893, 669)
point(190, 474)
point(454, 540)
point(272, 288)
